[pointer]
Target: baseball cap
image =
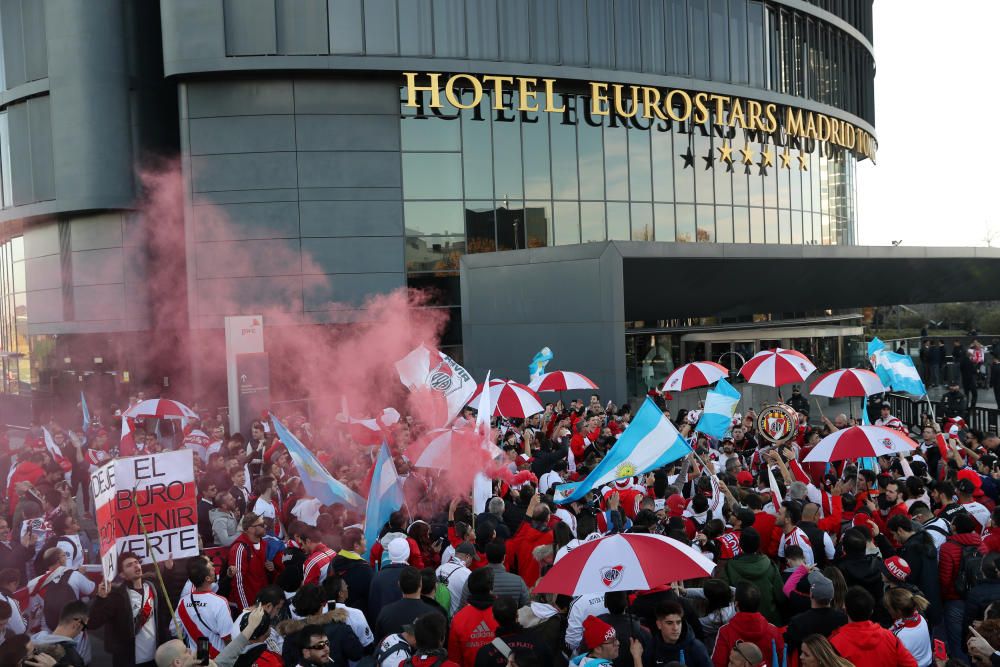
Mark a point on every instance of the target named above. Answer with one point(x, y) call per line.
point(744, 478)
point(676, 504)
point(896, 568)
point(972, 476)
point(596, 632)
point(466, 549)
point(399, 550)
point(861, 519)
point(749, 652)
point(820, 587)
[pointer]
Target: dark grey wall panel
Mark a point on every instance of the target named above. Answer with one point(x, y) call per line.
point(98, 267)
point(244, 134)
point(357, 169)
point(235, 296)
point(373, 254)
point(325, 96)
point(243, 172)
point(45, 306)
point(628, 44)
point(302, 27)
point(13, 42)
point(192, 30)
point(481, 29)
point(257, 220)
point(573, 32)
point(42, 167)
point(349, 291)
point(43, 273)
point(416, 37)
point(246, 196)
point(98, 231)
point(250, 27)
point(653, 34)
point(544, 31)
point(41, 240)
point(347, 133)
point(600, 32)
point(234, 259)
point(381, 28)
point(36, 64)
point(20, 153)
point(347, 27)
point(99, 302)
point(241, 98)
point(351, 218)
point(514, 28)
point(449, 28)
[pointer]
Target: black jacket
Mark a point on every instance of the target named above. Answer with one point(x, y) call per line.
point(922, 557)
point(515, 637)
point(357, 574)
point(114, 614)
point(979, 598)
point(344, 644)
point(384, 589)
point(205, 522)
point(823, 620)
point(660, 653)
point(864, 571)
point(953, 404)
point(626, 628)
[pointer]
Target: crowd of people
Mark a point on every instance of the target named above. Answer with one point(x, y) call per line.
point(897, 563)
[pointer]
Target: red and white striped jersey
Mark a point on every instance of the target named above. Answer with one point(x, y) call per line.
point(205, 615)
point(315, 568)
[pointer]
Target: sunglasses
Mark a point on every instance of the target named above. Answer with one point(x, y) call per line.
point(320, 646)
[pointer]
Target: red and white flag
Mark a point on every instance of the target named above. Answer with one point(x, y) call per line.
point(126, 447)
point(56, 453)
point(427, 369)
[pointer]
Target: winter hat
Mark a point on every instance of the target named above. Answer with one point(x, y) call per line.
point(466, 549)
point(972, 476)
point(820, 588)
point(399, 550)
point(896, 568)
point(861, 519)
point(596, 632)
point(676, 504)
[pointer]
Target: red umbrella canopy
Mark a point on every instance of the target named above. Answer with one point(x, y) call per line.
point(562, 381)
point(624, 562)
point(695, 374)
point(776, 367)
point(511, 399)
point(161, 408)
point(848, 382)
point(860, 442)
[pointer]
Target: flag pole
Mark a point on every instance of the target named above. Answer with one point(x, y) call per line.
point(156, 566)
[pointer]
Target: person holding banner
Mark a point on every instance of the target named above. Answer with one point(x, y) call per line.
point(127, 609)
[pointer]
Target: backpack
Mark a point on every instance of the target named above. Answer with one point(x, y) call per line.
point(56, 596)
point(438, 661)
point(441, 592)
point(970, 571)
point(403, 646)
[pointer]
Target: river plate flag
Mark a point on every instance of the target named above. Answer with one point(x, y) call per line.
point(720, 406)
point(649, 442)
point(319, 483)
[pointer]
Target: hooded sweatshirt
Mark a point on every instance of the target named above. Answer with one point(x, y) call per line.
point(951, 561)
point(751, 627)
point(520, 559)
point(375, 558)
point(68, 644)
point(763, 573)
point(661, 652)
point(344, 644)
point(471, 629)
point(866, 644)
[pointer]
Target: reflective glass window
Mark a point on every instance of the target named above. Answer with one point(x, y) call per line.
point(738, 32)
point(704, 180)
point(640, 179)
point(431, 129)
point(434, 253)
point(480, 226)
point(619, 226)
point(782, 175)
point(642, 222)
point(770, 225)
point(685, 223)
point(706, 224)
point(564, 162)
point(536, 156)
point(426, 218)
point(566, 223)
point(756, 225)
point(662, 147)
point(784, 226)
point(723, 175)
point(699, 40)
point(755, 44)
point(677, 38)
point(684, 172)
point(664, 222)
point(592, 226)
point(797, 227)
point(477, 150)
point(719, 39)
point(616, 162)
point(507, 174)
point(432, 175)
point(724, 224)
point(795, 178)
point(741, 224)
point(590, 143)
point(6, 177)
point(511, 224)
point(538, 221)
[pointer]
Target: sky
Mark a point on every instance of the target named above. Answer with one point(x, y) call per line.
point(935, 181)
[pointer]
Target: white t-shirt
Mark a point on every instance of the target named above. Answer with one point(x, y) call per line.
point(359, 624)
point(915, 636)
point(205, 615)
point(16, 623)
point(456, 575)
point(145, 639)
point(934, 528)
point(264, 508)
point(549, 480)
point(71, 545)
point(799, 538)
point(582, 607)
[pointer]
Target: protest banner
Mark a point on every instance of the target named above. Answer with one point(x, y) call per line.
point(146, 505)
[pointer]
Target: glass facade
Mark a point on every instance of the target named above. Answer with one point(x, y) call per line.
point(14, 348)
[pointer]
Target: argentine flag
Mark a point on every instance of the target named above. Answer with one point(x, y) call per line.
point(649, 442)
point(384, 497)
point(895, 370)
point(720, 406)
point(538, 363)
point(319, 483)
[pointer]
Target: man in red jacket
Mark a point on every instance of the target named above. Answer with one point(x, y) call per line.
point(534, 533)
point(473, 627)
point(867, 644)
point(749, 625)
point(965, 534)
point(884, 507)
point(585, 434)
point(248, 564)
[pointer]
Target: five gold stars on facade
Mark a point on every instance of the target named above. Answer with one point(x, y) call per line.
point(767, 157)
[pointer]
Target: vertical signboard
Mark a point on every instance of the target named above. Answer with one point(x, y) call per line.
point(244, 335)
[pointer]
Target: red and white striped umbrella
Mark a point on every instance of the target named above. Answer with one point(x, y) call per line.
point(161, 408)
point(860, 442)
point(695, 374)
point(561, 381)
point(511, 399)
point(848, 382)
point(445, 448)
point(776, 367)
point(624, 562)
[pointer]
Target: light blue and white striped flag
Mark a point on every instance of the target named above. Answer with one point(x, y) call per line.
point(649, 442)
point(895, 370)
point(720, 405)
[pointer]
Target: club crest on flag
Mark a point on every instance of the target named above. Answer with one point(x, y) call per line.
point(611, 575)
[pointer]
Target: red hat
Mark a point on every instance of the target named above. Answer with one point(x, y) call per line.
point(896, 568)
point(972, 476)
point(744, 478)
point(596, 632)
point(861, 519)
point(676, 504)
